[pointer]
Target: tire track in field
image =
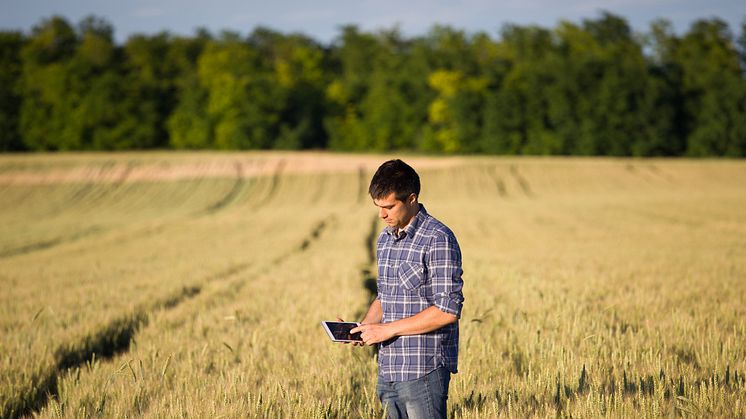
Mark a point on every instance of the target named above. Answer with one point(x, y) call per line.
point(233, 287)
point(659, 173)
point(138, 233)
point(499, 183)
point(315, 233)
point(104, 343)
point(101, 192)
point(93, 230)
point(659, 217)
point(274, 185)
point(88, 187)
point(649, 174)
point(369, 277)
point(98, 230)
point(306, 242)
point(24, 196)
point(230, 196)
point(116, 337)
point(368, 273)
point(92, 182)
point(362, 189)
point(633, 170)
point(87, 233)
point(320, 186)
point(97, 194)
point(522, 182)
point(47, 244)
point(86, 190)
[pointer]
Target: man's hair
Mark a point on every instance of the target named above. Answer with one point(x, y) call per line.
point(394, 176)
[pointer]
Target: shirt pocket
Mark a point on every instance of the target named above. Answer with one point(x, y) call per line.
point(411, 275)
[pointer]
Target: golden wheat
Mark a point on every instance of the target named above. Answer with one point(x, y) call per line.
point(594, 287)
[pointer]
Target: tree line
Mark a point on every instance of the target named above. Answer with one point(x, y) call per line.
point(591, 88)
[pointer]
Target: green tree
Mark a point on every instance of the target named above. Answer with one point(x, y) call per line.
point(615, 116)
point(187, 123)
point(97, 84)
point(295, 63)
point(72, 87)
point(517, 109)
point(11, 44)
point(593, 88)
point(454, 112)
point(664, 132)
point(713, 86)
point(242, 104)
point(394, 107)
point(149, 91)
point(351, 56)
point(45, 87)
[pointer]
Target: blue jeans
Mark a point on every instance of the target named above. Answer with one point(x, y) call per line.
point(422, 398)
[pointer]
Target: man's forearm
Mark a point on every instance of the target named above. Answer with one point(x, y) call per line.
point(373, 331)
point(375, 313)
point(429, 319)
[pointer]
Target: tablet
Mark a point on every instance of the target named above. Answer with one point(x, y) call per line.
point(340, 331)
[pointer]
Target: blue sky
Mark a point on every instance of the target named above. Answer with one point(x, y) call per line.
point(321, 18)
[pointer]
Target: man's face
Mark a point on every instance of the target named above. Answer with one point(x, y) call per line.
point(397, 213)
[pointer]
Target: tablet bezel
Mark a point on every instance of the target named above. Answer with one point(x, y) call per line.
point(331, 335)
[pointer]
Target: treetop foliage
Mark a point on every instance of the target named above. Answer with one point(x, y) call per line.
point(591, 88)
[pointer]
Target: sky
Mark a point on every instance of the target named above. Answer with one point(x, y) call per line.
point(321, 19)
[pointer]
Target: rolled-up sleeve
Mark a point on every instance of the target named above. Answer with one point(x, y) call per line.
point(444, 267)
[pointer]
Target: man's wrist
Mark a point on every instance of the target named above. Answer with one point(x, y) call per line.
point(393, 328)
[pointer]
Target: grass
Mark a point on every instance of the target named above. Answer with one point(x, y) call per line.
point(594, 287)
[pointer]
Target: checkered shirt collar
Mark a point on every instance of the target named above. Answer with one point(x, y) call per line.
point(411, 227)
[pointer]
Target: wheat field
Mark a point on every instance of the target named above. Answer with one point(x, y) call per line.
point(193, 284)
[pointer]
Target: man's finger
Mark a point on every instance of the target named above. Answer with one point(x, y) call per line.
point(357, 329)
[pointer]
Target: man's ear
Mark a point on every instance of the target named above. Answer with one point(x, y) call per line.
point(412, 198)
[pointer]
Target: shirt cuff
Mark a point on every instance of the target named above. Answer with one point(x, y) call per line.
point(450, 304)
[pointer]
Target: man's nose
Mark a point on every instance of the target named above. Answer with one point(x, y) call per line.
point(382, 213)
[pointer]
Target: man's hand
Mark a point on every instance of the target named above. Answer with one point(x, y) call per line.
point(339, 319)
point(374, 333)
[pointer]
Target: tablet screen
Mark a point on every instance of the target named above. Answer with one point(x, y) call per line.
point(341, 331)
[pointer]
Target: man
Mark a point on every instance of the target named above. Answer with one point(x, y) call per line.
point(415, 315)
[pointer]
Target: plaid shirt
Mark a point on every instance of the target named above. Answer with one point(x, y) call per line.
point(419, 268)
